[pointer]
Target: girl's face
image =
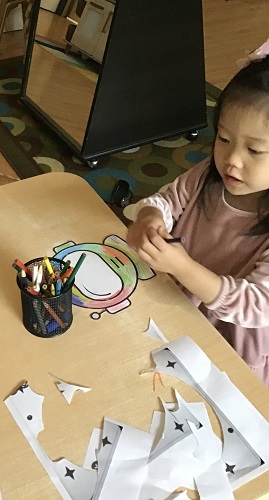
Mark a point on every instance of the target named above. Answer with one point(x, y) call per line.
point(241, 150)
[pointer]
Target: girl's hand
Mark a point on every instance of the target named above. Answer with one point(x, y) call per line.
point(172, 258)
point(160, 255)
point(138, 233)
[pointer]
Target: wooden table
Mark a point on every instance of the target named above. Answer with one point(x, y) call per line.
point(107, 355)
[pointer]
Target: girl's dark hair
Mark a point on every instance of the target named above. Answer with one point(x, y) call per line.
point(250, 87)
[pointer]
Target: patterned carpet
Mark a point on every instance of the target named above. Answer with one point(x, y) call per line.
point(32, 149)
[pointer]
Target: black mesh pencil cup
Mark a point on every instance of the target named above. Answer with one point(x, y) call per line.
point(43, 314)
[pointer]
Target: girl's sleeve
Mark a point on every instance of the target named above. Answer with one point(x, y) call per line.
point(172, 199)
point(245, 301)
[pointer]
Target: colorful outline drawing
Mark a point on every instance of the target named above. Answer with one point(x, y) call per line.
point(108, 275)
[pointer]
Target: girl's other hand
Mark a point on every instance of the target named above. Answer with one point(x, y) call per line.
point(138, 233)
point(162, 256)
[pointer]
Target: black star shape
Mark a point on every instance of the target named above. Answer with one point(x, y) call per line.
point(69, 472)
point(230, 468)
point(171, 364)
point(105, 441)
point(179, 427)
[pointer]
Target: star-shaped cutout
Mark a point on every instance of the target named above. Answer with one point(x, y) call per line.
point(69, 472)
point(106, 441)
point(171, 364)
point(230, 468)
point(179, 427)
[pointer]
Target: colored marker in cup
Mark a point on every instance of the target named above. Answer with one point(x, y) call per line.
point(66, 266)
point(49, 266)
point(74, 272)
point(17, 263)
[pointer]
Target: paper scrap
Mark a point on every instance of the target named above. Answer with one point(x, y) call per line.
point(122, 461)
point(154, 332)
point(67, 389)
point(245, 430)
point(214, 483)
point(71, 481)
point(90, 460)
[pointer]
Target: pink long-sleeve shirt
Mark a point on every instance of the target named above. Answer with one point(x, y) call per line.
point(220, 243)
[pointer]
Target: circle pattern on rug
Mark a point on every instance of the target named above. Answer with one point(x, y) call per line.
point(49, 164)
point(161, 169)
point(173, 143)
point(14, 125)
point(10, 85)
point(132, 155)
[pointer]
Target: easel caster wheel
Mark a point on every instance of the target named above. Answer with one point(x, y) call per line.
point(192, 136)
point(93, 163)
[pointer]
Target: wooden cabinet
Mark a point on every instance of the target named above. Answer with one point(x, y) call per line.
point(93, 27)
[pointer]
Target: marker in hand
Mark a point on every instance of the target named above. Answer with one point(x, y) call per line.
point(173, 240)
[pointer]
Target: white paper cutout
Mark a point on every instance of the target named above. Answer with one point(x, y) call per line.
point(122, 461)
point(248, 456)
point(68, 390)
point(124, 468)
point(78, 482)
point(178, 462)
point(90, 460)
point(27, 405)
point(181, 449)
point(214, 484)
point(23, 403)
point(154, 332)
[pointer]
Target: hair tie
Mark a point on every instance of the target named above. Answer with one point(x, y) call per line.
point(256, 55)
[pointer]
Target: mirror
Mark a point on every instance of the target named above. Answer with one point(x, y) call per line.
point(66, 58)
point(110, 75)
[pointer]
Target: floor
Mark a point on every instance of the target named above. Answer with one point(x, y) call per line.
point(231, 28)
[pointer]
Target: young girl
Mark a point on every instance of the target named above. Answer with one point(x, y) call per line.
point(220, 209)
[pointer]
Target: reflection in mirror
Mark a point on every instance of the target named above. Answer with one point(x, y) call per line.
point(65, 64)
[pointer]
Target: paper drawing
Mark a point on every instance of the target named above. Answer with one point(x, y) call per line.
point(108, 276)
point(68, 390)
point(245, 431)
